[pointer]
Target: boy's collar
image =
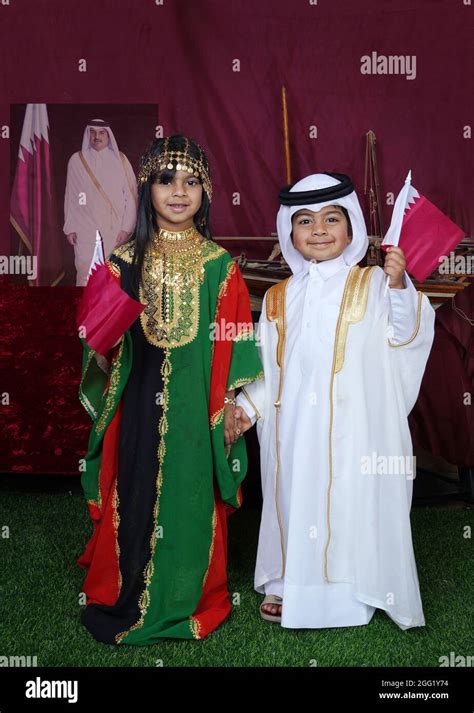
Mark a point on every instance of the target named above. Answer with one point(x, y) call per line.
point(326, 268)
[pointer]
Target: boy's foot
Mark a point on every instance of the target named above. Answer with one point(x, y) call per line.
point(270, 608)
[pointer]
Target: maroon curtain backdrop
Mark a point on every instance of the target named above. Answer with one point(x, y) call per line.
point(182, 55)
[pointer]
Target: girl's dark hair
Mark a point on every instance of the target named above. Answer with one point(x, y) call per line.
point(147, 224)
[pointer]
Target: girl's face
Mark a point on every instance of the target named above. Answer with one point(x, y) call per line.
point(320, 235)
point(176, 200)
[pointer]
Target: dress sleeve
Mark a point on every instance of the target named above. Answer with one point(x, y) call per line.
point(235, 362)
point(252, 396)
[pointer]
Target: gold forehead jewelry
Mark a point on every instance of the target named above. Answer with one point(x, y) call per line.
point(182, 161)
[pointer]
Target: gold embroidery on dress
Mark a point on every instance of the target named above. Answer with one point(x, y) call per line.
point(144, 601)
point(216, 418)
point(97, 503)
point(195, 626)
point(125, 251)
point(112, 390)
point(113, 268)
point(244, 380)
point(116, 523)
point(173, 271)
point(230, 270)
point(211, 549)
point(82, 396)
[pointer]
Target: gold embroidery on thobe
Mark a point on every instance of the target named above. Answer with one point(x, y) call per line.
point(276, 312)
point(417, 328)
point(352, 310)
point(97, 184)
point(245, 393)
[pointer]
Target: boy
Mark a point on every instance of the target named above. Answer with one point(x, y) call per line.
point(343, 359)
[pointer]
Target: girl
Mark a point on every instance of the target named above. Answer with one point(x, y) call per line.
point(157, 481)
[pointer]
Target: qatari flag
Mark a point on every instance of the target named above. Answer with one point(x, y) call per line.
point(105, 311)
point(32, 203)
point(422, 231)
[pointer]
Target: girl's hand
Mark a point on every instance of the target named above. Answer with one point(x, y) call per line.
point(394, 266)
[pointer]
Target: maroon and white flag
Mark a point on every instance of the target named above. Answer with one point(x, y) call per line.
point(32, 204)
point(424, 233)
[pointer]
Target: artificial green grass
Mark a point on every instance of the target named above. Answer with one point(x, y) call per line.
point(40, 584)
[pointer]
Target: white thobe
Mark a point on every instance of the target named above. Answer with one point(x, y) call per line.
point(87, 208)
point(345, 541)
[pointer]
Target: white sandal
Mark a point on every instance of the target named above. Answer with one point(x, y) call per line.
point(271, 599)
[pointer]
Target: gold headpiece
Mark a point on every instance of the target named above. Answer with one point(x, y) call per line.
point(183, 162)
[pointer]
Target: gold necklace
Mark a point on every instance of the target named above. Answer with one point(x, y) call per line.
point(168, 242)
point(173, 271)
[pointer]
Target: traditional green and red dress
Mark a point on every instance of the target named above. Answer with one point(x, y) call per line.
point(158, 481)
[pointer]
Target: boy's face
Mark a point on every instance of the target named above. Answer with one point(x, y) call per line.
point(320, 235)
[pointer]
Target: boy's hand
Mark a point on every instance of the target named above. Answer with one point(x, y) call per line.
point(229, 424)
point(394, 266)
point(242, 421)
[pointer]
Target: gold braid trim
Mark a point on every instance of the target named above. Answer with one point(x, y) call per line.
point(211, 549)
point(144, 601)
point(216, 418)
point(82, 396)
point(230, 269)
point(246, 394)
point(111, 391)
point(113, 268)
point(352, 310)
point(195, 626)
point(97, 184)
point(417, 328)
point(275, 307)
point(116, 523)
point(245, 380)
